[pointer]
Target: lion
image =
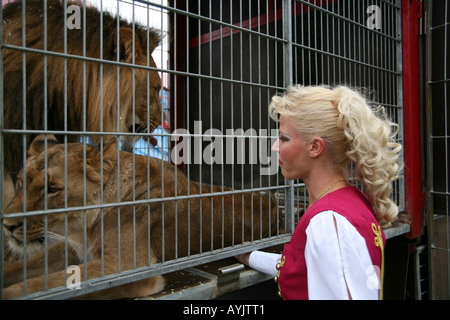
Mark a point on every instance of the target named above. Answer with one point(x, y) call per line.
point(159, 225)
point(75, 87)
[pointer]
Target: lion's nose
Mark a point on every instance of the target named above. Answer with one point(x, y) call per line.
point(12, 227)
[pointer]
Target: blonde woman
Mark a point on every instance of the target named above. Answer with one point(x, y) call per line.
point(336, 251)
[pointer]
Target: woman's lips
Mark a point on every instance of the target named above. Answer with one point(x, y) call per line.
point(279, 162)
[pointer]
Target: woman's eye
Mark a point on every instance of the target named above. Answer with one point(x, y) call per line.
point(283, 139)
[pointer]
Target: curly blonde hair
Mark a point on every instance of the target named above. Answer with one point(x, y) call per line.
point(354, 133)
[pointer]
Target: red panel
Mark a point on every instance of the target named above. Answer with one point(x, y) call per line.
point(411, 99)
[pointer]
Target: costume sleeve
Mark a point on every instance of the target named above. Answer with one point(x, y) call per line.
point(265, 262)
point(338, 262)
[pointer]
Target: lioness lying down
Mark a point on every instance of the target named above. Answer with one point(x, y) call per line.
point(183, 221)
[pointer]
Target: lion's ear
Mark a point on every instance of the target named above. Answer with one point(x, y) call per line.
point(94, 161)
point(126, 45)
point(38, 144)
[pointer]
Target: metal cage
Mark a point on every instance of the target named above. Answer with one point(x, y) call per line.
point(219, 63)
point(436, 86)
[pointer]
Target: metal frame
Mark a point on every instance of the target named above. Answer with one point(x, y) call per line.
point(436, 86)
point(274, 27)
point(411, 92)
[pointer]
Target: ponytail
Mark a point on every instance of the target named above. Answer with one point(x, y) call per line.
point(372, 148)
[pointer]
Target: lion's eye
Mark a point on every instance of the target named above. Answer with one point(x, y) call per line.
point(52, 189)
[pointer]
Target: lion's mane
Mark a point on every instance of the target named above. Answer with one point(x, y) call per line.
point(92, 75)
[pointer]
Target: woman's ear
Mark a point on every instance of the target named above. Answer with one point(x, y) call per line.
point(316, 147)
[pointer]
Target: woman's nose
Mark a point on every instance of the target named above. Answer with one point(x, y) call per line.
point(276, 145)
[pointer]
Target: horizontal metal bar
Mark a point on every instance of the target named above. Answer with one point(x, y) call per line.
point(438, 81)
point(441, 193)
point(137, 66)
point(156, 269)
point(440, 26)
point(230, 269)
point(140, 134)
point(218, 22)
point(433, 246)
point(398, 73)
point(330, 13)
point(80, 57)
point(139, 202)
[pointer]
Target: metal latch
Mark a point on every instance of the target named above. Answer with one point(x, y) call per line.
point(228, 278)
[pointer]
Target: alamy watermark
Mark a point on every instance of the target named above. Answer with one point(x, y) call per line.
point(374, 17)
point(73, 20)
point(221, 150)
point(73, 277)
point(373, 277)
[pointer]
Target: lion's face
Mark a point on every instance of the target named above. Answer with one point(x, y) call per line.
point(147, 106)
point(38, 196)
point(140, 106)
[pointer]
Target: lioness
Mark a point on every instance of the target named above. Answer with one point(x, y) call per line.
point(171, 221)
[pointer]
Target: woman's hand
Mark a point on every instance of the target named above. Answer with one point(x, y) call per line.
point(243, 258)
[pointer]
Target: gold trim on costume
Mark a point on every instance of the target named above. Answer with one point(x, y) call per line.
point(379, 243)
point(279, 265)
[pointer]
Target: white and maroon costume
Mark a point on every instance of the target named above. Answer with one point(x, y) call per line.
point(336, 249)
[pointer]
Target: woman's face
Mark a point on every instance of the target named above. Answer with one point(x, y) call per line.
point(293, 153)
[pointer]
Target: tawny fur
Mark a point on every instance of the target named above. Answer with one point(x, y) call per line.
point(80, 105)
point(185, 221)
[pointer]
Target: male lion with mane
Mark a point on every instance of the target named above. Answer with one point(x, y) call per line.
point(98, 95)
point(160, 210)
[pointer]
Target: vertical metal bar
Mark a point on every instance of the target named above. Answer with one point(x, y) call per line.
point(66, 235)
point(429, 133)
point(447, 141)
point(296, 41)
point(175, 182)
point(148, 146)
point(250, 140)
point(46, 182)
point(269, 210)
point(221, 125)
point(288, 80)
point(102, 231)
point(188, 105)
point(259, 113)
point(232, 116)
point(322, 44)
point(84, 121)
point(210, 68)
point(2, 161)
point(315, 35)
point(133, 61)
point(310, 45)
point(242, 116)
point(199, 63)
point(381, 63)
point(119, 240)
